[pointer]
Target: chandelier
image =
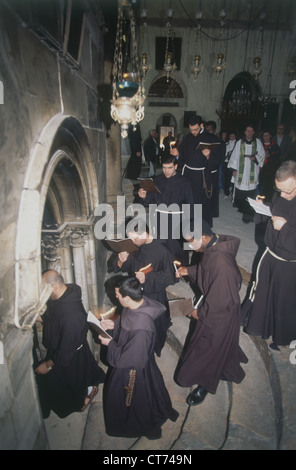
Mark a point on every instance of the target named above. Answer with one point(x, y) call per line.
point(169, 66)
point(240, 103)
point(128, 93)
point(220, 63)
point(256, 69)
point(145, 66)
point(291, 69)
point(196, 68)
point(267, 98)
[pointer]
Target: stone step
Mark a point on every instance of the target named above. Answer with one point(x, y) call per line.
point(95, 437)
point(283, 378)
point(252, 423)
point(257, 414)
point(229, 419)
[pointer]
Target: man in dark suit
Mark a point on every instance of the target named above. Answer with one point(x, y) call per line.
point(284, 141)
point(151, 151)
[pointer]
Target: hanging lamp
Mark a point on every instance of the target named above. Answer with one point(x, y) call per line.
point(128, 93)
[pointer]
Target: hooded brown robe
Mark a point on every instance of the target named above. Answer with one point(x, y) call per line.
point(136, 405)
point(213, 352)
point(156, 282)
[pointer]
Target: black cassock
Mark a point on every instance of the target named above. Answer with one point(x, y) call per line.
point(134, 164)
point(64, 388)
point(175, 193)
point(136, 401)
point(203, 173)
point(156, 281)
point(213, 352)
point(273, 310)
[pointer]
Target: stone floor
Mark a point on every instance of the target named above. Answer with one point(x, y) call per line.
point(258, 414)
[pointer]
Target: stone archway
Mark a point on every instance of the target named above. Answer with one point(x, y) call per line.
point(62, 142)
point(67, 231)
point(240, 104)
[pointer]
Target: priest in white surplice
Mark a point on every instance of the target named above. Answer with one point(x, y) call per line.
point(246, 159)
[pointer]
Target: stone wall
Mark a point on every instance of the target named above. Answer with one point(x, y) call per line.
point(42, 89)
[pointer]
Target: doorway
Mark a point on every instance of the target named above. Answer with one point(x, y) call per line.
point(165, 124)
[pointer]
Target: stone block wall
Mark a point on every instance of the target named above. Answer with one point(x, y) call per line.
point(41, 89)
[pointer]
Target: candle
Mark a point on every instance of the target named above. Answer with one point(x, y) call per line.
point(177, 262)
point(146, 269)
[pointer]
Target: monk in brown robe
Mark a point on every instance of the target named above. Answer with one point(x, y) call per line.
point(136, 401)
point(213, 352)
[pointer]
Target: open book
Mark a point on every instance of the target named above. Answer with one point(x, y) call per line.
point(96, 325)
point(123, 244)
point(148, 185)
point(209, 145)
point(259, 207)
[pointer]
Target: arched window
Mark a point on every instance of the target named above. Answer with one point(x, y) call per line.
point(163, 88)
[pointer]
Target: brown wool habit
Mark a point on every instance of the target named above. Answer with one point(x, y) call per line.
point(213, 352)
point(133, 349)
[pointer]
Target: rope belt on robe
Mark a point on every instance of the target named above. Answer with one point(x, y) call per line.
point(130, 388)
point(169, 212)
point(255, 283)
point(209, 192)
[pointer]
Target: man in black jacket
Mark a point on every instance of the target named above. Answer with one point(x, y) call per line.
point(174, 205)
point(151, 151)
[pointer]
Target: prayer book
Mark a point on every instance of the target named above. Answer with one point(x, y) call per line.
point(148, 185)
point(96, 325)
point(259, 207)
point(123, 244)
point(210, 145)
point(179, 307)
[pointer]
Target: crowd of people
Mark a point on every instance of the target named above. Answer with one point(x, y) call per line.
point(136, 400)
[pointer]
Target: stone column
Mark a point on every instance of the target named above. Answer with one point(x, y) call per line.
point(51, 251)
point(91, 271)
point(113, 151)
point(77, 243)
point(66, 259)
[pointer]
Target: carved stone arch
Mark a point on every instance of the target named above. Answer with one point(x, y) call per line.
point(62, 141)
point(67, 189)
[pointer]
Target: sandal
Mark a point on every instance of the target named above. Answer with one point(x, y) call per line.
point(90, 397)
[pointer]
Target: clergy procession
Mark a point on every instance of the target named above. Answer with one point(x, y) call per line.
point(168, 250)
